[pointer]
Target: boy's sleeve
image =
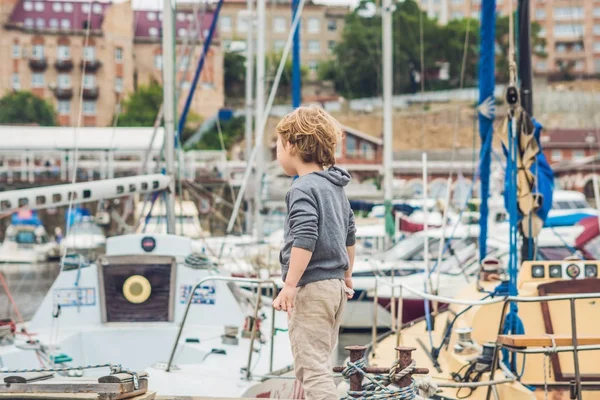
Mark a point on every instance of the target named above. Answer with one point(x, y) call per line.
point(351, 238)
point(303, 219)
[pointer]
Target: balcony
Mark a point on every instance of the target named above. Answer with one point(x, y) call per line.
point(64, 93)
point(64, 65)
point(91, 93)
point(38, 64)
point(91, 65)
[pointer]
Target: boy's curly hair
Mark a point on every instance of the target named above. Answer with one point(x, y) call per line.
point(313, 132)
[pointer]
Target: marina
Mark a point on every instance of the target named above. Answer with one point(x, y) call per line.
point(145, 243)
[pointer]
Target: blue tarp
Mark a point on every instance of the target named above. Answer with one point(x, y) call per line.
point(486, 96)
point(25, 217)
point(76, 215)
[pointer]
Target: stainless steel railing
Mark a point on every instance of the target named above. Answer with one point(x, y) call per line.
point(251, 281)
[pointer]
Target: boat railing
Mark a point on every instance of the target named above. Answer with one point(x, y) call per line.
point(250, 281)
point(575, 348)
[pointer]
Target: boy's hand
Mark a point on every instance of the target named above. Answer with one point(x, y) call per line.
point(285, 299)
point(350, 286)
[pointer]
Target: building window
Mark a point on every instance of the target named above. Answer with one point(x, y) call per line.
point(89, 53)
point(596, 29)
point(28, 6)
point(40, 23)
point(331, 45)
point(119, 85)
point(37, 80)
point(182, 32)
point(225, 24)
point(65, 23)
point(313, 25)
point(475, 15)
point(153, 31)
point(53, 23)
point(597, 47)
point(577, 154)
point(151, 15)
point(561, 48)
point(331, 25)
point(314, 46)
point(541, 66)
point(39, 6)
point(350, 146)
point(457, 1)
point(64, 81)
point(37, 51)
point(242, 22)
point(596, 11)
point(313, 66)
point(89, 107)
point(64, 107)
point(577, 47)
point(160, 16)
point(158, 61)
point(457, 15)
point(278, 45)
point(543, 32)
point(89, 81)
point(556, 155)
point(16, 82)
point(118, 55)
point(597, 65)
point(184, 61)
point(85, 8)
point(568, 30)
point(68, 7)
point(29, 23)
point(57, 6)
point(279, 24)
point(180, 17)
point(367, 151)
point(16, 51)
point(540, 14)
point(579, 65)
point(568, 13)
point(97, 8)
point(63, 52)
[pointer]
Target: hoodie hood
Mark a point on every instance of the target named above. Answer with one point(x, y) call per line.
point(335, 175)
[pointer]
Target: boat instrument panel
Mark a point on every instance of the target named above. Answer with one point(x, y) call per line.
point(550, 271)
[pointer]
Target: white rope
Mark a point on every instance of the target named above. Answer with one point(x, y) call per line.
point(546, 363)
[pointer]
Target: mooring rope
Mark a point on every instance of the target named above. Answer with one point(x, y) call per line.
point(379, 387)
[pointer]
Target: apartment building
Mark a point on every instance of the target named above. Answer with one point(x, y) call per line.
point(320, 28)
point(85, 58)
point(571, 30)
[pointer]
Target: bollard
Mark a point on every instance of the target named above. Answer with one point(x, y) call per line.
point(404, 360)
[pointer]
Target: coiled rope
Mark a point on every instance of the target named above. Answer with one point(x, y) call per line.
point(379, 386)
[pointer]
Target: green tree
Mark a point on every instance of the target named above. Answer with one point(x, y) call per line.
point(232, 130)
point(142, 106)
point(234, 70)
point(26, 108)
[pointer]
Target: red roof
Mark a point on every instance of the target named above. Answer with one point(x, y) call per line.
point(574, 138)
point(69, 16)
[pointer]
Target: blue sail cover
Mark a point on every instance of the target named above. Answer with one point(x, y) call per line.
point(543, 175)
point(486, 111)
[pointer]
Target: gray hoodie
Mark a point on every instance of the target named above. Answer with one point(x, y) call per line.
point(319, 220)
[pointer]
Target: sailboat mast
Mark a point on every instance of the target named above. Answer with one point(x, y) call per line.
point(249, 99)
point(168, 54)
point(525, 73)
point(260, 110)
point(296, 77)
point(386, 20)
point(526, 81)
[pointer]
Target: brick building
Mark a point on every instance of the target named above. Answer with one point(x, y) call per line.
point(571, 30)
point(61, 49)
point(561, 145)
point(321, 27)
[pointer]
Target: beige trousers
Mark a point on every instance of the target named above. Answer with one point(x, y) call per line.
point(313, 328)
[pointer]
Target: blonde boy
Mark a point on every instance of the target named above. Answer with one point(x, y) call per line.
point(318, 251)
